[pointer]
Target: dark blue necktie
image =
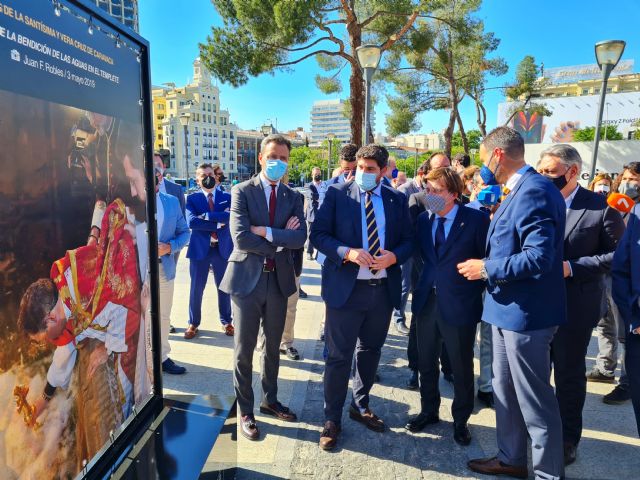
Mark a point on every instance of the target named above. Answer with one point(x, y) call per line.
point(440, 238)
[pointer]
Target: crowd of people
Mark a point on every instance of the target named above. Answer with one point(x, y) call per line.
point(476, 248)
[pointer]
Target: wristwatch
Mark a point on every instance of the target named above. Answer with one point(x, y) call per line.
point(483, 273)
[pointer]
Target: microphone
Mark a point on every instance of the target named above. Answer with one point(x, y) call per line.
point(621, 202)
point(490, 195)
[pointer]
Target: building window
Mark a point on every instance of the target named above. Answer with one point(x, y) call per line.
point(585, 91)
point(171, 104)
point(196, 154)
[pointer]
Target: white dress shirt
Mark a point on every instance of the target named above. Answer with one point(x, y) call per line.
point(159, 213)
point(513, 180)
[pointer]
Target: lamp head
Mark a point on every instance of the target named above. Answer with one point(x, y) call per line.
point(369, 56)
point(184, 119)
point(609, 52)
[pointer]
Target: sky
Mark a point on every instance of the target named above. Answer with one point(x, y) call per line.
point(557, 33)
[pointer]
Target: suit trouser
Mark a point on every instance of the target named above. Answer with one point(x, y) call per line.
point(199, 272)
point(265, 306)
point(309, 244)
point(361, 325)
point(432, 331)
point(633, 372)
point(611, 334)
point(166, 301)
point(525, 402)
point(412, 352)
point(290, 320)
point(568, 352)
point(485, 357)
point(406, 270)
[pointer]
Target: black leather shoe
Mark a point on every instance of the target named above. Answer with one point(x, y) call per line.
point(422, 420)
point(570, 451)
point(486, 398)
point(461, 434)
point(168, 366)
point(402, 329)
point(617, 396)
point(279, 411)
point(302, 293)
point(412, 383)
point(291, 353)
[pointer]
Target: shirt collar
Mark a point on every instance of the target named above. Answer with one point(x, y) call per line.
point(206, 194)
point(513, 180)
point(451, 214)
point(376, 191)
point(266, 183)
point(162, 186)
point(570, 198)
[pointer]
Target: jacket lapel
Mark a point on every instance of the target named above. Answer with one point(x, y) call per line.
point(575, 212)
point(431, 249)
point(356, 211)
point(456, 229)
point(282, 199)
point(258, 195)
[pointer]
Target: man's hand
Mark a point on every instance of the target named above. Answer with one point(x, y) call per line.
point(471, 269)
point(349, 177)
point(384, 260)
point(163, 249)
point(97, 358)
point(567, 269)
point(359, 256)
point(260, 231)
point(293, 223)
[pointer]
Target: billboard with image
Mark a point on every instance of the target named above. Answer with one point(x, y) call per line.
point(75, 341)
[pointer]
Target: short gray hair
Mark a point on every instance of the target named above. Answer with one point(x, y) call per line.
point(277, 139)
point(567, 154)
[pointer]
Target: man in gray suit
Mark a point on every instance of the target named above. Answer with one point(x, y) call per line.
point(267, 224)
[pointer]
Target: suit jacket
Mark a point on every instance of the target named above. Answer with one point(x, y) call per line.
point(312, 206)
point(339, 224)
point(175, 232)
point(409, 188)
point(526, 288)
point(175, 190)
point(591, 234)
point(625, 272)
point(459, 300)
point(417, 205)
point(202, 222)
point(249, 207)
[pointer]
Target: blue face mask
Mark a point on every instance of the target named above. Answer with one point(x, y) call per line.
point(275, 169)
point(487, 176)
point(366, 181)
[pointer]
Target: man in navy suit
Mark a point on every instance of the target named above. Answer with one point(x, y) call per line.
point(210, 245)
point(525, 304)
point(173, 235)
point(360, 283)
point(447, 307)
point(591, 234)
point(625, 274)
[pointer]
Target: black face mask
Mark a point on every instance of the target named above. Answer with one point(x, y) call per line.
point(208, 182)
point(221, 177)
point(560, 182)
point(317, 178)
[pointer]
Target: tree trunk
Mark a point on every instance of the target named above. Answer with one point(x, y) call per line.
point(463, 135)
point(356, 84)
point(448, 133)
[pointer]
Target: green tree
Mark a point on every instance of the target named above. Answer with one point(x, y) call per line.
point(474, 137)
point(636, 134)
point(609, 132)
point(447, 60)
point(264, 36)
point(526, 88)
point(302, 160)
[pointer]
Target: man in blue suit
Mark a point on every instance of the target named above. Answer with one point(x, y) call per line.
point(173, 235)
point(361, 283)
point(625, 274)
point(210, 245)
point(447, 307)
point(525, 304)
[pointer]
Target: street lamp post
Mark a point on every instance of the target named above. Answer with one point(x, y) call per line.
point(266, 131)
point(608, 55)
point(184, 121)
point(369, 59)
point(330, 137)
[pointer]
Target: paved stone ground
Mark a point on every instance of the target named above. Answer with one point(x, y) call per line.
point(609, 449)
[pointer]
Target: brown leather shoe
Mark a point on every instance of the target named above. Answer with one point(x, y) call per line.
point(493, 466)
point(190, 332)
point(228, 330)
point(279, 411)
point(368, 419)
point(248, 427)
point(329, 436)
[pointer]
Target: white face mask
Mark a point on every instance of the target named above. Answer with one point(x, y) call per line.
point(604, 189)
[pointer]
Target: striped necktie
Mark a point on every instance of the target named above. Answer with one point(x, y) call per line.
point(372, 229)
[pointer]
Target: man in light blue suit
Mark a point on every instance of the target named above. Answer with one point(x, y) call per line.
point(173, 235)
point(210, 245)
point(525, 304)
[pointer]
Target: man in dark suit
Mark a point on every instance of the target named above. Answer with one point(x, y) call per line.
point(591, 234)
point(267, 224)
point(446, 307)
point(317, 190)
point(625, 273)
point(210, 245)
point(525, 303)
point(360, 283)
